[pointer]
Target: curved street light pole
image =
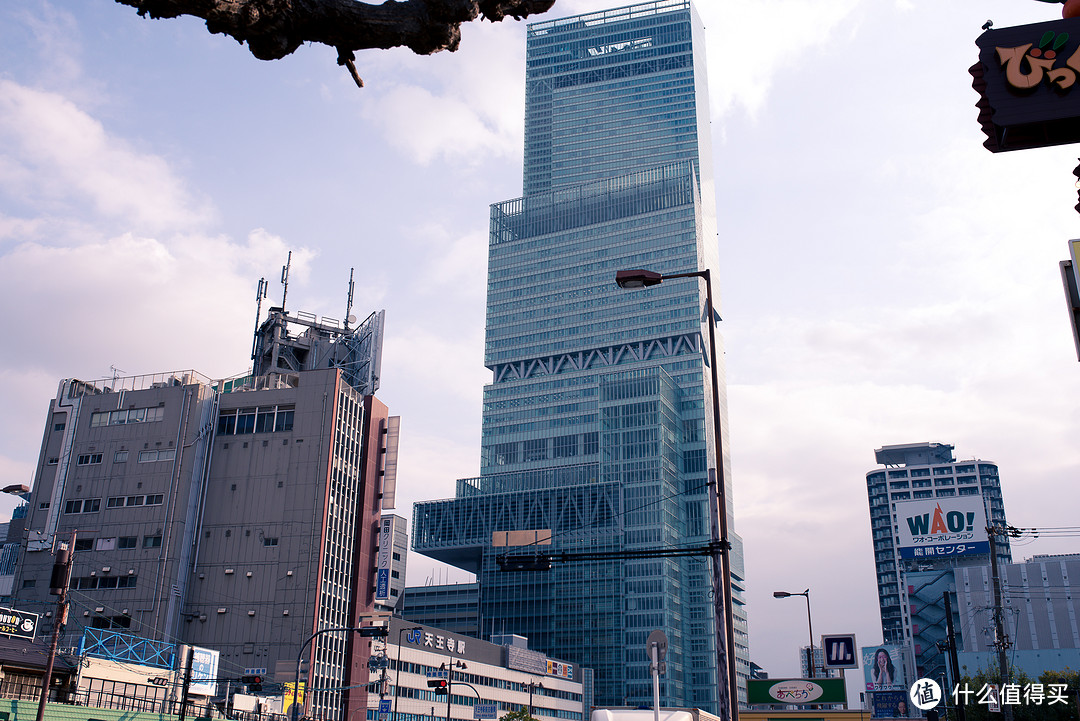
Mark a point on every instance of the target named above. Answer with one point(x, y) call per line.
point(805, 594)
point(300, 658)
point(725, 640)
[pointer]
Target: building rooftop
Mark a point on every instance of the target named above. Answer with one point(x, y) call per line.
point(910, 454)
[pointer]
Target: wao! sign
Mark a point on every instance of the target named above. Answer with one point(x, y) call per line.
point(941, 527)
point(1028, 77)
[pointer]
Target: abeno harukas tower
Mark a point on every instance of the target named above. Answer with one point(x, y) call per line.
point(598, 421)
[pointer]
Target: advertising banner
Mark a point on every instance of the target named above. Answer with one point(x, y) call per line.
point(883, 667)
point(1027, 77)
point(204, 668)
point(800, 691)
point(386, 550)
point(942, 527)
point(18, 624)
point(892, 704)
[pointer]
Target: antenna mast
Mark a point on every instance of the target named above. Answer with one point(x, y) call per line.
point(348, 303)
point(259, 295)
point(285, 280)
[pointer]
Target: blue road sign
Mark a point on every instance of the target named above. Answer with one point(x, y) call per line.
point(838, 651)
point(384, 705)
point(485, 711)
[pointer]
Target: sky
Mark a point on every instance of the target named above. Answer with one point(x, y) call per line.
point(884, 278)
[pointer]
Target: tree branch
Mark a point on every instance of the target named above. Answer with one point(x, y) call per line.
point(274, 28)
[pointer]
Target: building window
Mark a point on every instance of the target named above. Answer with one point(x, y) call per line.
point(536, 449)
point(128, 501)
point(131, 415)
point(151, 541)
point(30, 583)
point(270, 541)
point(263, 419)
point(505, 454)
point(84, 544)
point(590, 443)
point(58, 426)
point(127, 542)
point(120, 457)
point(564, 446)
point(164, 454)
point(89, 459)
point(81, 505)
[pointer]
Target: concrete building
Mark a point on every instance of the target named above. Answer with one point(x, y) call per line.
point(910, 590)
point(236, 515)
point(1041, 604)
point(598, 421)
point(505, 674)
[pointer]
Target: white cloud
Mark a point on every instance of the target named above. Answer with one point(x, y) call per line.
point(464, 107)
point(57, 158)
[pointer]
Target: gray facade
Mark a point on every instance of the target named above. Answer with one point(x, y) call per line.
point(454, 607)
point(237, 515)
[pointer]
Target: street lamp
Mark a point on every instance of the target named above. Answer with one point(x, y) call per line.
point(810, 654)
point(397, 677)
point(370, 631)
point(450, 681)
point(533, 685)
point(725, 640)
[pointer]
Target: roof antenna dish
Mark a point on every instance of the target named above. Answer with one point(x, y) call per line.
point(349, 317)
point(285, 280)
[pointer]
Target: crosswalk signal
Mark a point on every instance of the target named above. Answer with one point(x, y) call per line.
point(439, 684)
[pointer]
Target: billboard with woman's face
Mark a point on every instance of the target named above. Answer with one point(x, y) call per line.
point(883, 668)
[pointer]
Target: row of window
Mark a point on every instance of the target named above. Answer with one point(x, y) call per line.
point(93, 505)
point(114, 543)
point(85, 583)
point(93, 459)
point(124, 417)
point(264, 419)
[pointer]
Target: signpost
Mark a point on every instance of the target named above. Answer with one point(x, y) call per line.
point(657, 647)
point(838, 651)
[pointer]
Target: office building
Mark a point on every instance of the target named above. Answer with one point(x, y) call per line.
point(235, 515)
point(454, 606)
point(911, 581)
point(505, 675)
point(597, 424)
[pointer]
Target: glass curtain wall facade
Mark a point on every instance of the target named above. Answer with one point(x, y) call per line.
point(598, 421)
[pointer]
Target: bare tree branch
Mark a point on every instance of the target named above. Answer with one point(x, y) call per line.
point(274, 28)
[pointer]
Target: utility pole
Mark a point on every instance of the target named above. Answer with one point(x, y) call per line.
point(1002, 641)
point(58, 586)
point(951, 636)
point(187, 682)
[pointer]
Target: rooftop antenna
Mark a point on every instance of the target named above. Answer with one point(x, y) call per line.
point(285, 280)
point(259, 295)
point(115, 373)
point(349, 318)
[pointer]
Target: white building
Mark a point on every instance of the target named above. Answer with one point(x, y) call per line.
point(507, 675)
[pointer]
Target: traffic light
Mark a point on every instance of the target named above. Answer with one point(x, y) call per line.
point(536, 562)
point(253, 683)
point(375, 632)
point(439, 684)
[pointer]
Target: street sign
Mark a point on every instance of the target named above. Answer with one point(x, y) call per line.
point(384, 705)
point(485, 711)
point(838, 651)
point(660, 639)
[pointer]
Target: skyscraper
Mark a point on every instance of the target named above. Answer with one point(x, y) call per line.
point(910, 588)
point(597, 424)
